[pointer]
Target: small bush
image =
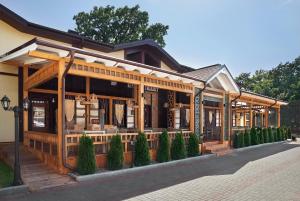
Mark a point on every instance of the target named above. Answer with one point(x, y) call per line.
point(115, 154)
point(275, 135)
point(270, 135)
point(247, 138)
point(142, 156)
point(260, 136)
point(86, 162)
point(254, 138)
point(289, 133)
point(163, 152)
point(265, 135)
point(178, 148)
point(236, 140)
point(193, 146)
point(241, 140)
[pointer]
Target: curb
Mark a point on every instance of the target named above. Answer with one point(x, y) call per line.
point(14, 190)
point(256, 146)
point(80, 178)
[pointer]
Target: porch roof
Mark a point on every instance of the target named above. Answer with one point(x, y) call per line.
point(20, 56)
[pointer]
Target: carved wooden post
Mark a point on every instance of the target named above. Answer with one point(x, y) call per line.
point(141, 121)
point(61, 67)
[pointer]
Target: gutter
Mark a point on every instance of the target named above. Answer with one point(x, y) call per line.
point(273, 104)
point(72, 53)
point(237, 97)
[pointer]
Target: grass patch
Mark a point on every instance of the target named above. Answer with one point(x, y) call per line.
point(6, 175)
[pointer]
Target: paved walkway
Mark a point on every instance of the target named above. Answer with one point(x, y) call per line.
point(218, 173)
point(276, 177)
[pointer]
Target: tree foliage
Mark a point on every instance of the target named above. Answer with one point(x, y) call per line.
point(119, 25)
point(163, 152)
point(178, 150)
point(193, 146)
point(282, 82)
point(247, 138)
point(86, 162)
point(142, 155)
point(115, 154)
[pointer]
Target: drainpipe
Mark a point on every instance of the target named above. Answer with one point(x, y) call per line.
point(237, 97)
point(71, 54)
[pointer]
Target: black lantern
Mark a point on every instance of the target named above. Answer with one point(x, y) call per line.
point(26, 103)
point(5, 102)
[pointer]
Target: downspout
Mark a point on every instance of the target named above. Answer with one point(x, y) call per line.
point(199, 92)
point(237, 97)
point(72, 53)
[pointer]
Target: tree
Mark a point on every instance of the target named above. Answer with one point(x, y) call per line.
point(142, 156)
point(163, 152)
point(86, 163)
point(115, 154)
point(247, 138)
point(119, 25)
point(193, 146)
point(178, 148)
point(254, 137)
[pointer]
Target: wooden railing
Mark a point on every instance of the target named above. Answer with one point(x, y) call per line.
point(45, 143)
point(102, 141)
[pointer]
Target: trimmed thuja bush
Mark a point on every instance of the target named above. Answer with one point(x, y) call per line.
point(254, 138)
point(241, 140)
point(178, 148)
point(193, 146)
point(115, 154)
point(142, 156)
point(86, 163)
point(289, 133)
point(247, 138)
point(275, 134)
point(265, 135)
point(279, 134)
point(236, 140)
point(270, 135)
point(163, 152)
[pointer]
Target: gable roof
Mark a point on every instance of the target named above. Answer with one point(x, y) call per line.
point(205, 73)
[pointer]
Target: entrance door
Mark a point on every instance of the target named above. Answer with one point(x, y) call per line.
point(212, 124)
point(147, 116)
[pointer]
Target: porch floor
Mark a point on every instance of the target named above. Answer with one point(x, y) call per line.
point(34, 172)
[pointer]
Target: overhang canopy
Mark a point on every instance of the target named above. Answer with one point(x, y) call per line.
point(21, 56)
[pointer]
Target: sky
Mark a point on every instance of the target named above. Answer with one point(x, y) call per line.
point(246, 35)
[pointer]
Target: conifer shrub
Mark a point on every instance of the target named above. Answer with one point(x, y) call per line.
point(115, 154)
point(241, 140)
point(193, 146)
point(270, 135)
point(178, 150)
point(247, 138)
point(265, 135)
point(254, 138)
point(142, 155)
point(289, 133)
point(279, 134)
point(260, 136)
point(236, 140)
point(284, 133)
point(163, 152)
point(274, 131)
point(86, 162)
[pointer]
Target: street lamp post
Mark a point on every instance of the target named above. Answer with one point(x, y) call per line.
point(5, 102)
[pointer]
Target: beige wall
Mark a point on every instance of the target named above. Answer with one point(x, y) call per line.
point(166, 67)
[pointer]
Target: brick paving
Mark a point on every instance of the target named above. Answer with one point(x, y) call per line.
point(276, 177)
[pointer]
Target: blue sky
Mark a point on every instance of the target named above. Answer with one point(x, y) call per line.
point(244, 35)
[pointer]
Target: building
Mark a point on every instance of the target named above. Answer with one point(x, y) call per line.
point(77, 85)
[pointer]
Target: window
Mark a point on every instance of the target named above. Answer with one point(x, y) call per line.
point(218, 118)
point(39, 115)
point(233, 118)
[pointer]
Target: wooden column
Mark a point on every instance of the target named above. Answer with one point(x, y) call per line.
point(278, 117)
point(110, 111)
point(201, 114)
point(135, 96)
point(141, 122)
point(251, 116)
point(222, 113)
point(192, 110)
point(60, 129)
point(266, 117)
point(87, 107)
point(25, 95)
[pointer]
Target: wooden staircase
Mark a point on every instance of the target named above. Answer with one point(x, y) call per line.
point(216, 147)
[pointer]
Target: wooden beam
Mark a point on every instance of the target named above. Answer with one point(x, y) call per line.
point(278, 117)
point(61, 67)
point(251, 116)
point(87, 107)
point(44, 55)
point(44, 74)
point(141, 107)
point(266, 117)
point(192, 110)
point(110, 111)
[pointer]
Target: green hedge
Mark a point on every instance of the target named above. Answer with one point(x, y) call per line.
point(193, 146)
point(247, 138)
point(163, 152)
point(178, 150)
point(270, 135)
point(265, 135)
point(236, 140)
point(289, 133)
point(260, 136)
point(254, 137)
point(142, 156)
point(115, 154)
point(86, 162)
point(241, 140)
